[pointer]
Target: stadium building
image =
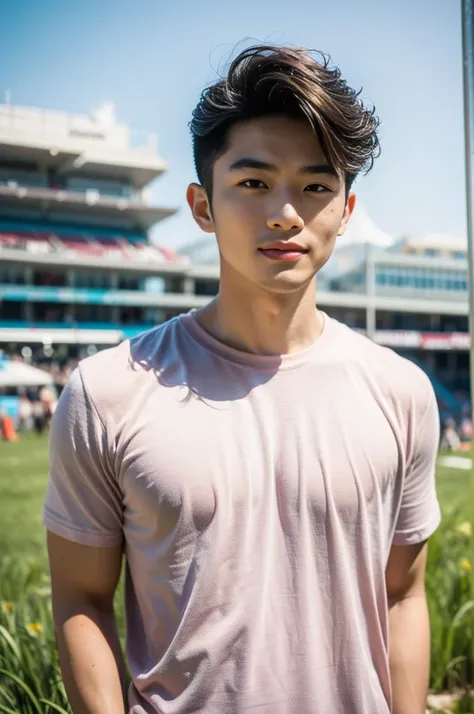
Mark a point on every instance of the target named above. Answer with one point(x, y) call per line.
point(78, 271)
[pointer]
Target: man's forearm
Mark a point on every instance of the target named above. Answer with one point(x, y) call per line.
point(91, 660)
point(409, 654)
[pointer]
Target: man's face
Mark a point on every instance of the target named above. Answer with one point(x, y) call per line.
point(277, 206)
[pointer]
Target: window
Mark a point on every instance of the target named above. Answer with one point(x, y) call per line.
point(126, 282)
point(174, 284)
point(93, 313)
point(49, 278)
point(91, 280)
point(105, 187)
point(437, 281)
point(17, 177)
point(10, 310)
point(12, 276)
point(153, 315)
point(417, 279)
point(132, 316)
point(48, 312)
point(206, 287)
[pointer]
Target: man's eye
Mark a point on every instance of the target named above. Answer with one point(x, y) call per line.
point(252, 183)
point(317, 188)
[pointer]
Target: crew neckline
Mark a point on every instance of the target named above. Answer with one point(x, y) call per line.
point(248, 359)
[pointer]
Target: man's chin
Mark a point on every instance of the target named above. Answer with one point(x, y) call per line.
point(287, 282)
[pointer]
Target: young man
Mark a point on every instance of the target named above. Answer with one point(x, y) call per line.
point(267, 473)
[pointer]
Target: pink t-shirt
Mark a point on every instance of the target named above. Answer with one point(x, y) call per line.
point(257, 499)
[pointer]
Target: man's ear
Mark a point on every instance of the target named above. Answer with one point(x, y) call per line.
point(349, 208)
point(199, 204)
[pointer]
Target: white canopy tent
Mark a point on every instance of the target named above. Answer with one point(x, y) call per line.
point(19, 374)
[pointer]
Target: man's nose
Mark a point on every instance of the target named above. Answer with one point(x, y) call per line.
point(286, 218)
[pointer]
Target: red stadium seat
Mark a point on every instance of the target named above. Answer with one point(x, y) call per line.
point(82, 246)
point(116, 246)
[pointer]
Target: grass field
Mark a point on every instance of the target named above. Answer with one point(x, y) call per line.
point(23, 475)
point(27, 650)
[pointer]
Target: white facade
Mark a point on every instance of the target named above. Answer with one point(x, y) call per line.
point(75, 141)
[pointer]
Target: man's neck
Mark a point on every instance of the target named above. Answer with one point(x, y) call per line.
point(259, 322)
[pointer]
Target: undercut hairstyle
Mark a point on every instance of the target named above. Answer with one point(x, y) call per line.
point(269, 80)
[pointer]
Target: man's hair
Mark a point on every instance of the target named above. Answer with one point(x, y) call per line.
point(269, 80)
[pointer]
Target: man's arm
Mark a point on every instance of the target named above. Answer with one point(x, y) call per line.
point(409, 628)
point(84, 580)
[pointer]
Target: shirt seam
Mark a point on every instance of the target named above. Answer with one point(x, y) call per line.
point(89, 398)
point(431, 399)
point(427, 408)
point(434, 518)
point(56, 520)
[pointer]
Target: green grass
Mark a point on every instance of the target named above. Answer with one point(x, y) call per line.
point(23, 476)
point(33, 685)
point(452, 486)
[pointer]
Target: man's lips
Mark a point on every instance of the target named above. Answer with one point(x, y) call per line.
point(283, 251)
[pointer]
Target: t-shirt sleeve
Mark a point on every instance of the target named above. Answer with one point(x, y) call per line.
point(419, 514)
point(83, 500)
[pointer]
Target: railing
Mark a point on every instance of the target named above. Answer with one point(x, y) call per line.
point(35, 325)
point(85, 296)
point(114, 331)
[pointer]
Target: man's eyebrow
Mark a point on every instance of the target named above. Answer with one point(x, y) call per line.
point(320, 169)
point(251, 163)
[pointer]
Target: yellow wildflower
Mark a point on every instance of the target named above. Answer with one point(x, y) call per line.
point(465, 565)
point(464, 529)
point(34, 628)
point(7, 607)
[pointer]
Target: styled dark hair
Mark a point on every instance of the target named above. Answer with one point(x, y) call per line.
point(269, 80)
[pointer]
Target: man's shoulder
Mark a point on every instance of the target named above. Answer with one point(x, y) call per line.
point(113, 376)
point(393, 375)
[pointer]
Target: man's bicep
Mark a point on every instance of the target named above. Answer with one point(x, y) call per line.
point(83, 572)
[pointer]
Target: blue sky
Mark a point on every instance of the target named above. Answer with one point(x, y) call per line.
point(152, 59)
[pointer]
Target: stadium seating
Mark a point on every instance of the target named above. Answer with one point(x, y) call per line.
point(78, 246)
point(448, 401)
point(112, 246)
point(9, 240)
